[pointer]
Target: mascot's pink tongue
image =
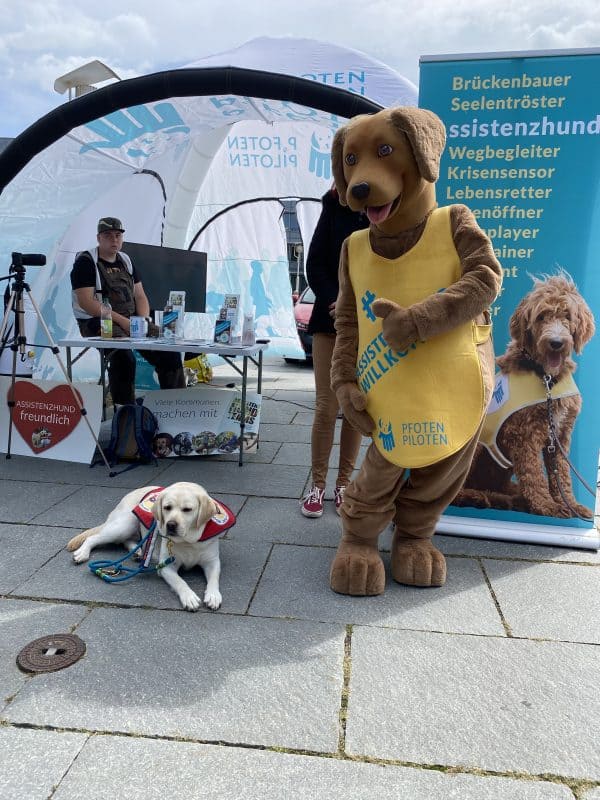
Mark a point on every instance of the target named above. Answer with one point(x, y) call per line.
point(378, 214)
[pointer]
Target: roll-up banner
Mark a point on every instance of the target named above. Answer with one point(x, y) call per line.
point(523, 153)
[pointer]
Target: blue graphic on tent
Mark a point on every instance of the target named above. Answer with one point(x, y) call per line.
point(135, 123)
point(262, 302)
point(320, 153)
point(367, 301)
point(386, 436)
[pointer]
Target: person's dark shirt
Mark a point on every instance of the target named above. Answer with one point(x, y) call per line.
point(83, 273)
point(335, 224)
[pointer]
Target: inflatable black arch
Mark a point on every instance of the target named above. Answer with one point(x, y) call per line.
point(188, 82)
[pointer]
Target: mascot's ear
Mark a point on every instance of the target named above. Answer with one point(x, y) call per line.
point(337, 164)
point(427, 137)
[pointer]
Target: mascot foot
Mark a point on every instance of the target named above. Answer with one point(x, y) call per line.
point(357, 570)
point(416, 562)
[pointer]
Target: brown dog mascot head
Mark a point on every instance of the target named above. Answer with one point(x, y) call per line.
point(386, 164)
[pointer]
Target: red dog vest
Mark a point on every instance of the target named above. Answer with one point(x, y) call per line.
point(218, 523)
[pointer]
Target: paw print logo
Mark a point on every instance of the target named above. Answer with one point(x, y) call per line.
point(387, 436)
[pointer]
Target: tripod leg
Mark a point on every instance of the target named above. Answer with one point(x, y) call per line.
point(56, 351)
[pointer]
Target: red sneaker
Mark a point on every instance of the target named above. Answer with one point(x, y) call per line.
point(312, 504)
point(338, 496)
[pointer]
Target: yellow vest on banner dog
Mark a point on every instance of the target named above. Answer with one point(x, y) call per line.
point(428, 401)
point(511, 393)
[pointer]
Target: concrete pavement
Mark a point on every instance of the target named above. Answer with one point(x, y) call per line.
point(486, 688)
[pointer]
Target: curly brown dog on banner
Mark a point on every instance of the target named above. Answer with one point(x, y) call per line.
point(513, 468)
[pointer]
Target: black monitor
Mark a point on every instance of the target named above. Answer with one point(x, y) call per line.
point(161, 269)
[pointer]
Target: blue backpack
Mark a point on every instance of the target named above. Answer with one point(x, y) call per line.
point(133, 429)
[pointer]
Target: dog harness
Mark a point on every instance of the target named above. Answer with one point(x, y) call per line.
point(218, 523)
point(428, 401)
point(512, 392)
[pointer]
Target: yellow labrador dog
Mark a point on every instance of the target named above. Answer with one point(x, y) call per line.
point(189, 522)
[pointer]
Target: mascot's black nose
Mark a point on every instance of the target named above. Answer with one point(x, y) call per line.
point(360, 190)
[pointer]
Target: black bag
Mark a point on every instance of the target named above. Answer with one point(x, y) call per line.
point(133, 429)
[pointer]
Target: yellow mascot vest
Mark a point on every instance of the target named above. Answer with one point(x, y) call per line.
point(511, 393)
point(428, 401)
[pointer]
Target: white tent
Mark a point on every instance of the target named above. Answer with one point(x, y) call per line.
point(183, 157)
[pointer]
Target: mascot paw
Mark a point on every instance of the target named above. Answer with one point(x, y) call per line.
point(398, 327)
point(357, 570)
point(416, 562)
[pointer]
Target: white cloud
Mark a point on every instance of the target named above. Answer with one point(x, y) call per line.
point(41, 40)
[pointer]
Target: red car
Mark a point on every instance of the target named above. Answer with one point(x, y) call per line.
point(302, 311)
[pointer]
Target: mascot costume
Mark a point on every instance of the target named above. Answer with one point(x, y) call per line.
point(413, 363)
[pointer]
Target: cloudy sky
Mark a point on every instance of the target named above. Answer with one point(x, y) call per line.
point(43, 39)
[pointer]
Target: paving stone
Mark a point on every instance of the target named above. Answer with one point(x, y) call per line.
point(279, 412)
point(22, 621)
point(456, 545)
point(33, 762)
point(104, 771)
point(295, 584)
point(25, 549)
point(202, 676)
point(264, 480)
point(299, 454)
point(478, 702)
point(304, 418)
point(20, 469)
point(594, 794)
point(539, 601)
point(266, 520)
point(20, 501)
point(274, 432)
point(301, 397)
point(241, 565)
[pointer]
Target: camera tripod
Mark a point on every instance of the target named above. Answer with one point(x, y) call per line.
point(18, 343)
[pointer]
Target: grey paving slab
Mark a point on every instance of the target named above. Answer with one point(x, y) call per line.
point(104, 771)
point(301, 397)
point(21, 501)
point(33, 762)
point(267, 520)
point(210, 677)
point(241, 565)
point(22, 468)
point(299, 454)
point(277, 411)
point(21, 622)
point(262, 480)
point(593, 794)
point(25, 548)
point(295, 584)
point(304, 418)
point(553, 601)
point(274, 432)
point(456, 545)
point(487, 703)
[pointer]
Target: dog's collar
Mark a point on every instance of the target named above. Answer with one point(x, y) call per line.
point(548, 380)
point(220, 522)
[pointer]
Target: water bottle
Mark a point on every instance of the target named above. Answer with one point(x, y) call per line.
point(248, 336)
point(106, 330)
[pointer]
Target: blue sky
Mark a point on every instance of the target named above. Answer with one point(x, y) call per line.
point(41, 40)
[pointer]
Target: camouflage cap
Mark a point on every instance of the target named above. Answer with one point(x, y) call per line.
point(110, 224)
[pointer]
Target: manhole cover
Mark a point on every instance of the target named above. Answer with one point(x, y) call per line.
point(50, 653)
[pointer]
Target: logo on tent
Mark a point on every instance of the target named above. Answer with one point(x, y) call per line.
point(142, 123)
point(320, 153)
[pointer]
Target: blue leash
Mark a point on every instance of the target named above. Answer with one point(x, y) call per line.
point(110, 571)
